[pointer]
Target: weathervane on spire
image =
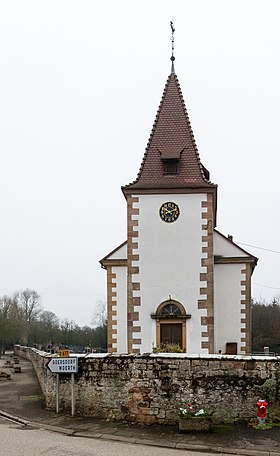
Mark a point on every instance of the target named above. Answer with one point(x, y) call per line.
point(172, 58)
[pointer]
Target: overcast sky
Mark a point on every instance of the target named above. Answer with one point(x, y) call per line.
point(80, 84)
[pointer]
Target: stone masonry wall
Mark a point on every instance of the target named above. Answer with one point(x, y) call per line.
point(150, 388)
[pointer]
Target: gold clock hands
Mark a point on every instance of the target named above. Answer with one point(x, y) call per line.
point(169, 211)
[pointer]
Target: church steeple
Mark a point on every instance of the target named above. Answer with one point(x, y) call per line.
point(171, 158)
point(171, 161)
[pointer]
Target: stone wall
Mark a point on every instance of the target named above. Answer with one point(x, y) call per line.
point(150, 388)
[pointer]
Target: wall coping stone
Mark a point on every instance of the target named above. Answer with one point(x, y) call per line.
point(163, 355)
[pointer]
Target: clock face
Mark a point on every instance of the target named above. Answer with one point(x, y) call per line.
point(169, 212)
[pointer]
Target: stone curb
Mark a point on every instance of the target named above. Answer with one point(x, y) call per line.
point(14, 418)
point(138, 441)
point(225, 450)
point(157, 443)
point(50, 428)
point(118, 438)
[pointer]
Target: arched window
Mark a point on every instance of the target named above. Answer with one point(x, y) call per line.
point(170, 309)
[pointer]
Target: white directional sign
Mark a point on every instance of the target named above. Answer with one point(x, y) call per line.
point(63, 365)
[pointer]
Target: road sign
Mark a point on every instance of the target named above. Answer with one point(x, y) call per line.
point(63, 365)
point(64, 353)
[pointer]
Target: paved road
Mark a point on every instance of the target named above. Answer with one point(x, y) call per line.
point(17, 440)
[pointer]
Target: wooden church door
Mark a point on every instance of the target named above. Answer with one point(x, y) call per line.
point(171, 333)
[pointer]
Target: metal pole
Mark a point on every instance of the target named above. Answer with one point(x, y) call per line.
point(57, 393)
point(72, 394)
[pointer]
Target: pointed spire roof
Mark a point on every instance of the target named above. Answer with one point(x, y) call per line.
point(171, 139)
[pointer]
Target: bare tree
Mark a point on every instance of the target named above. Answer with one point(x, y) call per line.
point(45, 330)
point(67, 328)
point(11, 322)
point(30, 302)
point(99, 315)
point(266, 325)
point(99, 321)
point(24, 321)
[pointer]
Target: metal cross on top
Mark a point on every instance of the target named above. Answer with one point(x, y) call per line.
point(172, 58)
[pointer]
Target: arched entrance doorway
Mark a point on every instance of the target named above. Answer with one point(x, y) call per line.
point(171, 324)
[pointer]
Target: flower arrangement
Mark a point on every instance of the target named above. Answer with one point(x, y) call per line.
point(191, 418)
point(168, 348)
point(190, 411)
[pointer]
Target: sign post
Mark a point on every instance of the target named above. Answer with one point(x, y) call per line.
point(64, 365)
point(72, 395)
point(57, 393)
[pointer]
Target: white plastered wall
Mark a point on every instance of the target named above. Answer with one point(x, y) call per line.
point(120, 308)
point(119, 254)
point(224, 247)
point(170, 264)
point(227, 299)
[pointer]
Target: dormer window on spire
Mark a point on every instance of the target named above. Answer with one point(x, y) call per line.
point(170, 166)
point(206, 173)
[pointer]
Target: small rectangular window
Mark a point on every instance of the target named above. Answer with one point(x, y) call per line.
point(170, 165)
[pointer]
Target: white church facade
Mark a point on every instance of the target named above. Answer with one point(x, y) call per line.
point(176, 279)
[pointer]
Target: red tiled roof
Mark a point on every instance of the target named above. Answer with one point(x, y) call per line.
point(171, 138)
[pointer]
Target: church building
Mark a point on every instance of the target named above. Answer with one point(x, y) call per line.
point(176, 279)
